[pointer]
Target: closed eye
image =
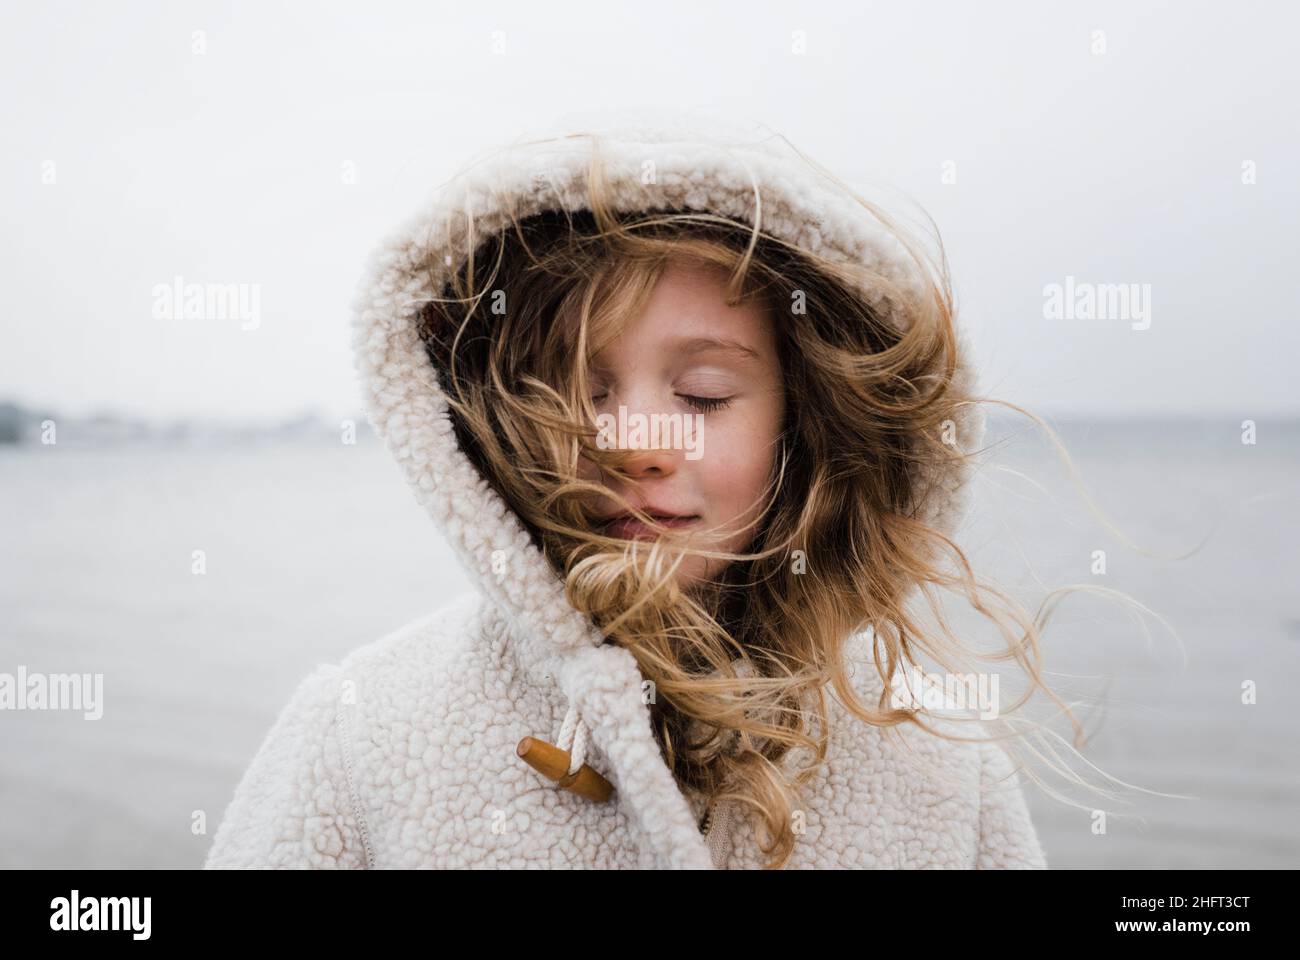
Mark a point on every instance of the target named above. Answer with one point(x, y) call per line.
point(706, 404)
point(703, 404)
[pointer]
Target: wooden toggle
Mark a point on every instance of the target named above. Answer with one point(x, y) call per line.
point(553, 763)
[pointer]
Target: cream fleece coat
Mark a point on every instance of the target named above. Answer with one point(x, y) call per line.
point(403, 755)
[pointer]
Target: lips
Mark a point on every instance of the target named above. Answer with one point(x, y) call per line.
point(627, 527)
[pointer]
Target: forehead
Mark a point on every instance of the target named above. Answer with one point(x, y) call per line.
point(687, 312)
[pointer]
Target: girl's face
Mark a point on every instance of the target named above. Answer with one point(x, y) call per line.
point(717, 368)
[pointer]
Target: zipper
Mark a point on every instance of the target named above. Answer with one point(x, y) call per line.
point(706, 822)
point(717, 820)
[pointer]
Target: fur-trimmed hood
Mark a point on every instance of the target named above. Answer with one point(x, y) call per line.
point(541, 644)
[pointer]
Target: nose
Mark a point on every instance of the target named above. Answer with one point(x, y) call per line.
point(649, 462)
point(648, 454)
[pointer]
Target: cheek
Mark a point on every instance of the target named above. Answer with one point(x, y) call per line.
point(737, 465)
point(590, 473)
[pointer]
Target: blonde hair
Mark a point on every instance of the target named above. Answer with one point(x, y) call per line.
point(870, 391)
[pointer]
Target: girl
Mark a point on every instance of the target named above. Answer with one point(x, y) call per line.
point(698, 423)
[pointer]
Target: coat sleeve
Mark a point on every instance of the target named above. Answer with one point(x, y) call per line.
point(294, 807)
point(1007, 838)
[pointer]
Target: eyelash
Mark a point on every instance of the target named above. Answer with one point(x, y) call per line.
point(706, 404)
point(703, 404)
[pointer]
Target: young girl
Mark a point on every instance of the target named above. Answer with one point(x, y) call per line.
point(698, 423)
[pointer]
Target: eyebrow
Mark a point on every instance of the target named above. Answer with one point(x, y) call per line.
point(693, 345)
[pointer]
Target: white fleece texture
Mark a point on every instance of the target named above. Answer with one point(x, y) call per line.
point(403, 755)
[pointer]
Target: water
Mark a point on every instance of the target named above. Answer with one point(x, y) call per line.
point(313, 549)
point(1165, 713)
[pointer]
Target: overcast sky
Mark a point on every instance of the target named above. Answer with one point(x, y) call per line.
point(131, 157)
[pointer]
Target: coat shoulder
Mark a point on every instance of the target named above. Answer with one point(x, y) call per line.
point(299, 802)
point(290, 808)
point(422, 644)
point(904, 797)
point(1008, 839)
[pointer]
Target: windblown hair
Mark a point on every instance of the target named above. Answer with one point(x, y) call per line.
point(741, 662)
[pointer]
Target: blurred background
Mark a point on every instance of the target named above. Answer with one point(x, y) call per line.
point(271, 148)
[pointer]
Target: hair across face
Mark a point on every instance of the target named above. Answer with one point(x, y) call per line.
point(693, 390)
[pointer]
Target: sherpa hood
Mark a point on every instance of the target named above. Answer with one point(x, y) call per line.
point(700, 163)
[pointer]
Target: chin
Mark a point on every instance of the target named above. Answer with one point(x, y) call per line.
point(693, 573)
